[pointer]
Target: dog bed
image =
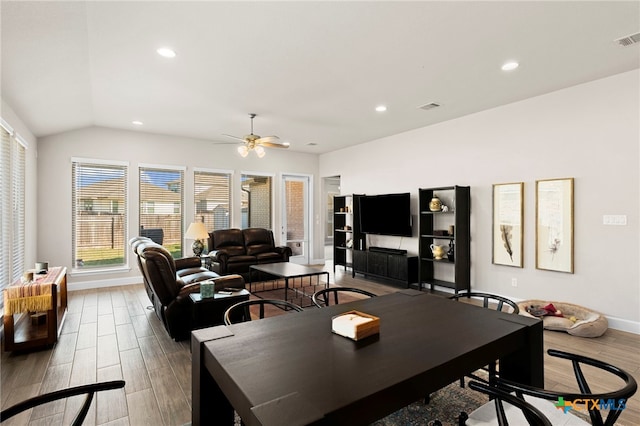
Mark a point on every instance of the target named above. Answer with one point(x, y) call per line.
point(574, 319)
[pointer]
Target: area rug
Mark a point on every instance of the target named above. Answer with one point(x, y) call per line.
point(445, 405)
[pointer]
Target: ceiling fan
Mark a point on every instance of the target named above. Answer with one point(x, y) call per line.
point(257, 143)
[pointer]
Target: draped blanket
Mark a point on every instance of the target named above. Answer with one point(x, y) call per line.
point(34, 296)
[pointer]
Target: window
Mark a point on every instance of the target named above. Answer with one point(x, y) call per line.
point(99, 214)
point(12, 222)
point(212, 199)
point(256, 201)
point(162, 206)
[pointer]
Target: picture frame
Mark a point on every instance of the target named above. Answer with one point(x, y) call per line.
point(554, 224)
point(508, 216)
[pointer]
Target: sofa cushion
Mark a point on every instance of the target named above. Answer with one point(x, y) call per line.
point(264, 257)
point(258, 240)
point(241, 259)
point(229, 240)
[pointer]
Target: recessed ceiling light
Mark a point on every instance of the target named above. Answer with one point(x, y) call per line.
point(166, 52)
point(510, 66)
point(137, 123)
point(381, 108)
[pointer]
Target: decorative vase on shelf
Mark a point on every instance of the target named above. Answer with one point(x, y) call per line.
point(438, 251)
point(435, 205)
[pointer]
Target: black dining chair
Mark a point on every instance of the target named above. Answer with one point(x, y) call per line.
point(89, 390)
point(240, 312)
point(548, 402)
point(488, 301)
point(326, 296)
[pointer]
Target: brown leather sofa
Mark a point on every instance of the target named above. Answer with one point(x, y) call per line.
point(171, 281)
point(233, 251)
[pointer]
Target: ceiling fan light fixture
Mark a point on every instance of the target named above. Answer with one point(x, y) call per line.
point(243, 150)
point(259, 151)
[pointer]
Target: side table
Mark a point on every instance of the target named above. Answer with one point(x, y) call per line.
point(39, 296)
point(210, 311)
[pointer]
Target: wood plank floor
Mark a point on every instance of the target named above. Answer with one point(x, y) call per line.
point(112, 334)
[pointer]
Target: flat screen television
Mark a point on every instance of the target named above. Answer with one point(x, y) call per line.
point(387, 214)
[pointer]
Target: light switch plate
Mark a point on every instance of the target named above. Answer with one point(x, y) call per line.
point(614, 219)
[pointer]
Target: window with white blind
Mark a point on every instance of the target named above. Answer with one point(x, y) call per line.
point(212, 199)
point(162, 206)
point(256, 201)
point(12, 221)
point(99, 211)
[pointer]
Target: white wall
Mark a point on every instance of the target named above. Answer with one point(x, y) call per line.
point(590, 132)
point(54, 184)
point(31, 181)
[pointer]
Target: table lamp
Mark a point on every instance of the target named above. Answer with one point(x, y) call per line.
point(197, 232)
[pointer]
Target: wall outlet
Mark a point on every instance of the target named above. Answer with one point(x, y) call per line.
point(514, 282)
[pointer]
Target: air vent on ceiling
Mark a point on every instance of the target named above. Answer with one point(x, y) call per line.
point(428, 106)
point(628, 40)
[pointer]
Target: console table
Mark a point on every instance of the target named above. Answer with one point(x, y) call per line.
point(397, 268)
point(41, 295)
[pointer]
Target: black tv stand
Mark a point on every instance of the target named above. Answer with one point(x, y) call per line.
point(387, 250)
point(391, 265)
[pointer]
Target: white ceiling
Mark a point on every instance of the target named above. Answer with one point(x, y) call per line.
point(312, 71)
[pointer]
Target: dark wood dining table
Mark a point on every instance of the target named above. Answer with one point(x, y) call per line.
point(292, 370)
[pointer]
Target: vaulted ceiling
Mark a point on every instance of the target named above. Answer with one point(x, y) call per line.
point(313, 71)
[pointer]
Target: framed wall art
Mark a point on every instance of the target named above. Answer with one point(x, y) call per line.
point(507, 224)
point(554, 225)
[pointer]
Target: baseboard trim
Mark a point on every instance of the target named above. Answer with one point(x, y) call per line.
point(93, 284)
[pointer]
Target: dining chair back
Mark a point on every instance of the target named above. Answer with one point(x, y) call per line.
point(596, 403)
point(88, 390)
point(488, 301)
point(329, 296)
point(241, 312)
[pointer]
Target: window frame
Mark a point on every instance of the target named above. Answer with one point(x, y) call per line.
point(125, 165)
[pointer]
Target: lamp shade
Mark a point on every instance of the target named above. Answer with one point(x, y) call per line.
point(197, 231)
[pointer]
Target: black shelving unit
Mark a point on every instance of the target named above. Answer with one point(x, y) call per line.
point(346, 230)
point(451, 272)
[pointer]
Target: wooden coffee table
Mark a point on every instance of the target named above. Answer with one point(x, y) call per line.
point(289, 271)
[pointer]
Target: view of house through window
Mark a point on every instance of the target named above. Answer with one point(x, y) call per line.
point(212, 199)
point(99, 214)
point(256, 201)
point(161, 207)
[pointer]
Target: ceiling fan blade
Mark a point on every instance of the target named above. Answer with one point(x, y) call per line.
point(233, 137)
point(268, 139)
point(274, 145)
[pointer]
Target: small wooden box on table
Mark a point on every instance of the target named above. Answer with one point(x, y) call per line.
point(21, 300)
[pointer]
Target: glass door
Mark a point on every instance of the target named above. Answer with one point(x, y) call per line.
point(295, 216)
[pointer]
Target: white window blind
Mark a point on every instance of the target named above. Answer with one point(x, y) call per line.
point(256, 201)
point(212, 199)
point(162, 207)
point(99, 196)
point(12, 221)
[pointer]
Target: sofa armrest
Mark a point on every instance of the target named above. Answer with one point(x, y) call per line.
point(186, 290)
point(188, 262)
point(285, 252)
point(219, 261)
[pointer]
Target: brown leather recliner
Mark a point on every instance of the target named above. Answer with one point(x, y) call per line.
point(233, 251)
point(171, 282)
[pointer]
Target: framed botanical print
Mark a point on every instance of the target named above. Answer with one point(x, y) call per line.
point(507, 224)
point(554, 225)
